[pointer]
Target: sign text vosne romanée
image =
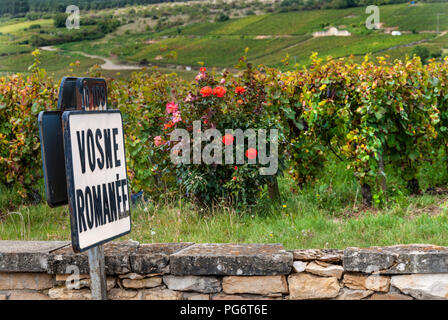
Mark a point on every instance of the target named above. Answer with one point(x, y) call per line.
point(96, 175)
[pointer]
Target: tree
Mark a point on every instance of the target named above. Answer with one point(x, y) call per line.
point(59, 20)
point(422, 52)
point(222, 17)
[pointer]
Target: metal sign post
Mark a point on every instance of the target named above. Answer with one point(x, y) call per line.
point(98, 284)
point(95, 184)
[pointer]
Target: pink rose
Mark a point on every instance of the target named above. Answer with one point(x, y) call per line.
point(176, 117)
point(200, 76)
point(189, 98)
point(171, 107)
point(158, 141)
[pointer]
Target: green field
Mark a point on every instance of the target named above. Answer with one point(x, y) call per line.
point(16, 26)
point(421, 17)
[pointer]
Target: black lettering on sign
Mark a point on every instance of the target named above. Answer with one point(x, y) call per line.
point(101, 204)
point(91, 150)
point(106, 205)
point(82, 150)
point(117, 161)
point(107, 145)
point(80, 211)
point(112, 201)
point(123, 184)
point(89, 208)
point(100, 160)
point(98, 206)
point(91, 142)
point(117, 189)
point(93, 94)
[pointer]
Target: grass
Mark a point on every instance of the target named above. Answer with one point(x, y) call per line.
point(327, 214)
point(16, 25)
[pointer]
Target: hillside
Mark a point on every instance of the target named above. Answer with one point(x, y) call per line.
point(180, 45)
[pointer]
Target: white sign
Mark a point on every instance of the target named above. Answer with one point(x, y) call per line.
point(96, 177)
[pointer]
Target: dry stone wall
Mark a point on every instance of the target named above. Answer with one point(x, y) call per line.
point(43, 270)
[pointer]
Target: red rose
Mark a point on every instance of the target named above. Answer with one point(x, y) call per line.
point(168, 125)
point(251, 153)
point(203, 69)
point(227, 139)
point(240, 90)
point(219, 91)
point(206, 91)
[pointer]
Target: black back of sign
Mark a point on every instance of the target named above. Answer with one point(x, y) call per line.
point(50, 127)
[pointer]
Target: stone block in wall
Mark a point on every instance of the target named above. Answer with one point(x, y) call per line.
point(22, 280)
point(324, 269)
point(161, 293)
point(135, 276)
point(263, 285)
point(122, 294)
point(299, 266)
point(351, 294)
point(27, 256)
point(307, 286)
point(231, 259)
point(423, 286)
point(367, 282)
point(27, 295)
point(196, 296)
point(154, 257)
point(399, 259)
point(223, 296)
point(62, 293)
point(204, 284)
point(389, 296)
point(116, 256)
point(142, 283)
point(325, 255)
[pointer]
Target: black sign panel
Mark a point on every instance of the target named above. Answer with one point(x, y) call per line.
point(91, 93)
point(67, 99)
point(53, 161)
point(82, 94)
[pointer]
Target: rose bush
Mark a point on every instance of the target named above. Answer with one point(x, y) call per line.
point(225, 102)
